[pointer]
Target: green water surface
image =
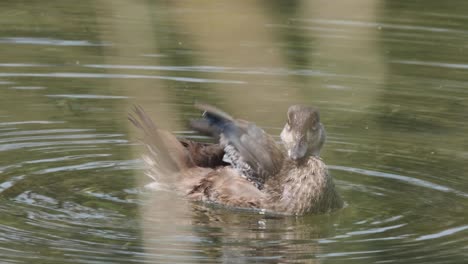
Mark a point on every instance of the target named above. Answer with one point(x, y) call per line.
point(389, 77)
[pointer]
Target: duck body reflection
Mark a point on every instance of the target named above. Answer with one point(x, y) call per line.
point(247, 168)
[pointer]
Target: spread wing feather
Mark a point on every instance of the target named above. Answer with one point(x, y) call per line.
point(250, 150)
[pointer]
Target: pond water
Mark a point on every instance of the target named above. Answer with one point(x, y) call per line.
point(390, 79)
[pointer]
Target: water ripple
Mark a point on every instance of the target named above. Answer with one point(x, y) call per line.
point(87, 96)
point(8, 184)
point(350, 253)
point(446, 232)
point(19, 65)
point(49, 41)
point(374, 230)
point(109, 197)
point(117, 76)
point(67, 158)
point(406, 179)
point(354, 23)
point(433, 64)
point(72, 136)
point(219, 69)
point(43, 131)
point(60, 210)
point(84, 166)
point(66, 148)
point(6, 147)
point(32, 88)
point(42, 122)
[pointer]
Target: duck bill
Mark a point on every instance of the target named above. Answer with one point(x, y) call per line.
point(298, 151)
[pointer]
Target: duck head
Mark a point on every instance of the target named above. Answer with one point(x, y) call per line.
point(303, 135)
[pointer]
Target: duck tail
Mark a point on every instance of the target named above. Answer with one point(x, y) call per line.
point(214, 121)
point(165, 154)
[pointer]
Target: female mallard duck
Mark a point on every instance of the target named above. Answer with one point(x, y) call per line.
point(247, 169)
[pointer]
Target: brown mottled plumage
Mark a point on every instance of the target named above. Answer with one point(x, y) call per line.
point(248, 169)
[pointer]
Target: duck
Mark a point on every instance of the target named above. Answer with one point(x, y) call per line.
point(245, 168)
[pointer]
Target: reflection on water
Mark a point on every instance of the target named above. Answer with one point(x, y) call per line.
point(388, 76)
point(47, 42)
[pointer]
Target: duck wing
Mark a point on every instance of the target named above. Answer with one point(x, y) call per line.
point(204, 154)
point(249, 149)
